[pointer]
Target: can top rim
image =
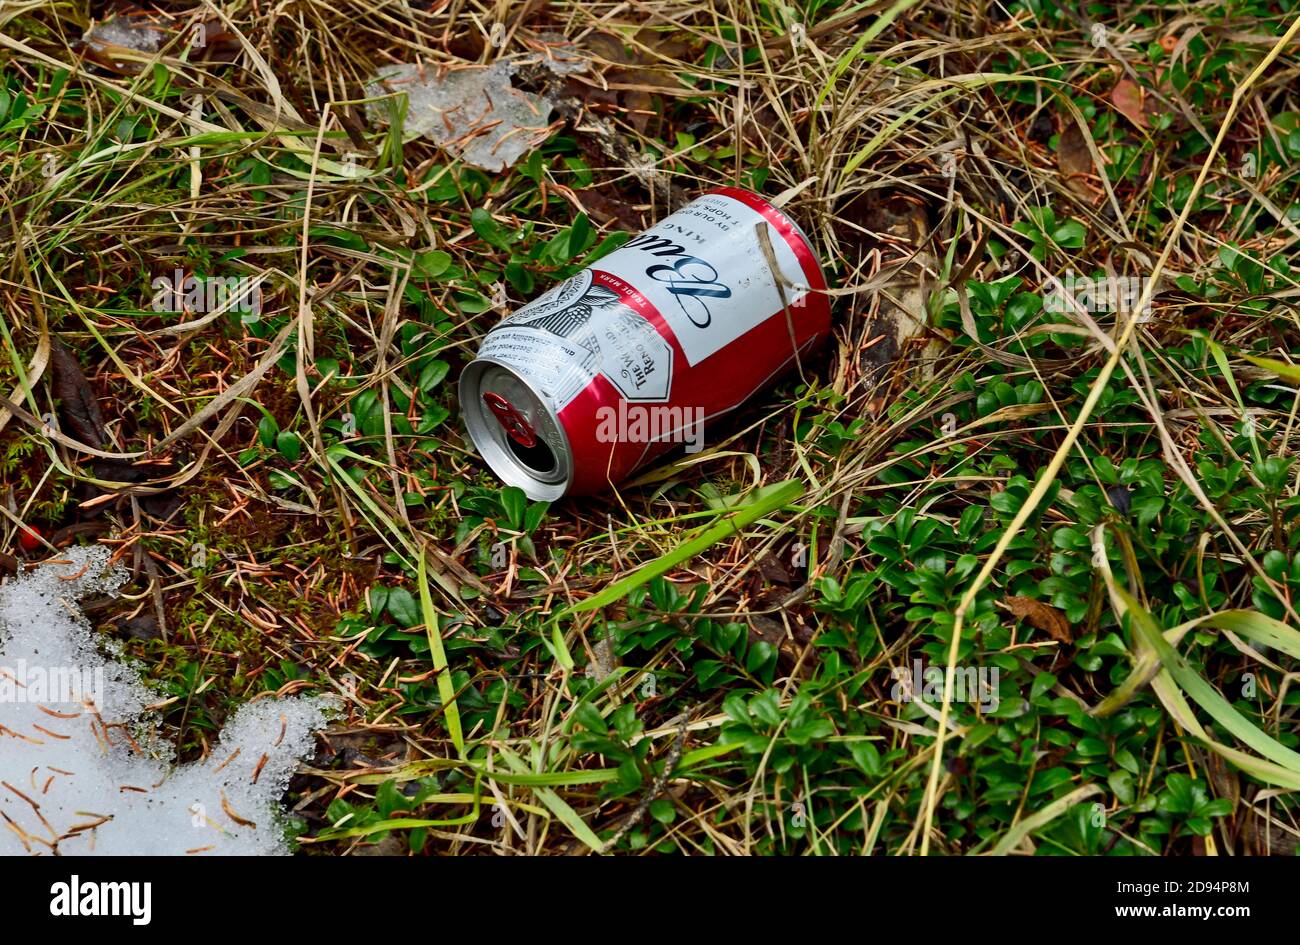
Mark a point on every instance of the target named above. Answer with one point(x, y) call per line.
point(490, 437)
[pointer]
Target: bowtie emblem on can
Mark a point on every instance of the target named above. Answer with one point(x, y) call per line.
point(634, 354)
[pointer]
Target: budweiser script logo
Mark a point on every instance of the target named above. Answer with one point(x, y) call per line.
point(690, 279)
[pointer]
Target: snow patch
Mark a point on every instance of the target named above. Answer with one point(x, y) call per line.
point(473, 112)
point(124, 32)
point(81, 768)
point(559, 54)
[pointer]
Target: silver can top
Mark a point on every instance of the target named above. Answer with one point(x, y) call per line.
point(515, 429)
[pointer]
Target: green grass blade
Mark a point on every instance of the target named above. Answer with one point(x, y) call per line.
point(777, 497)
point(552, 778)
point(1208, 698)
point(1265, 771)
point(555, 804)
point(1013, 837)
point(1287, 372)
point(446, 688)
point(1221, 359)
point(1258, 628)
point(877, 27)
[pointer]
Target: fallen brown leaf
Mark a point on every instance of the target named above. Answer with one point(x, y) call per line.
point(1127, 96)
point(1072, 154)
point(78, 406)
point(1040, 616)
point(1075, 160)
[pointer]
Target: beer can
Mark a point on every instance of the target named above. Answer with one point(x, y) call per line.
point(635, 354)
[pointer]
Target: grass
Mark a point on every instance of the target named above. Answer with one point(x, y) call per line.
point(1086, 511)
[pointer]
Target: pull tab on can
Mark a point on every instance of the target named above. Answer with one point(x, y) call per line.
point(511, 420)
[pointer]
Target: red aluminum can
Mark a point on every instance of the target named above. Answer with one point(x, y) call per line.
point(640, 351)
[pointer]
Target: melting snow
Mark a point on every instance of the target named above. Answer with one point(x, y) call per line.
point(125, 32)
point(80, 769)
point(559, 54)
point(474, 112)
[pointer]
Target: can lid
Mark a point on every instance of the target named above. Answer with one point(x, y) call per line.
point(515, 429)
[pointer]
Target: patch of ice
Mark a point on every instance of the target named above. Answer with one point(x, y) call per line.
point(126, 33)
point(81, 771)
point(473, 111)
point(560, 55)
